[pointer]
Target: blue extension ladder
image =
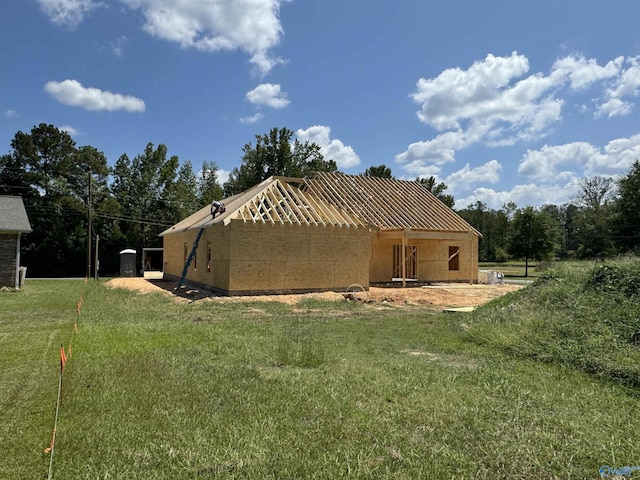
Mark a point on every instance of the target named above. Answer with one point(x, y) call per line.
point(189, 259)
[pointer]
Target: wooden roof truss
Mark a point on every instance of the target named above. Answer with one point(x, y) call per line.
point(386, 203)
point(282, 203)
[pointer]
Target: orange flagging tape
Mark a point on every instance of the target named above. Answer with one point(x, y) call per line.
point(53, 440)
point(63, 358)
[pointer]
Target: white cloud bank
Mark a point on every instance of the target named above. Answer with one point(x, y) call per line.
point(72, 92)
point(493, 103)
point(553, 173)
point(561, 162)
point(251, 26)
point(497, 102)
point(331, 149)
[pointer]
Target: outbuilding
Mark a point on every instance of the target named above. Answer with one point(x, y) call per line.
point(13, 223)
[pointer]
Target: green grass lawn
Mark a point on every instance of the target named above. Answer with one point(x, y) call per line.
point(158, 389)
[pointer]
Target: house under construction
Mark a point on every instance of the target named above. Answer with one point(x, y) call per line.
point(288, 235)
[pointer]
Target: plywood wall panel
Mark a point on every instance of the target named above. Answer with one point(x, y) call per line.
point(257, 275)
point(309, 275)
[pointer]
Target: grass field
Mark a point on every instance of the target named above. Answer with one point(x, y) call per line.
point(158, 389)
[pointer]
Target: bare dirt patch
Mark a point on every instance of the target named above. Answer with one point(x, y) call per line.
point(437, 296)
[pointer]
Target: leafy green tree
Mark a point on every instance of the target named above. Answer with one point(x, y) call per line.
point(181, 196)
point(52, 175)
point(493, 224)
point(380, 171)
point(15, 178)
point(593, 219)
point(532, 236)
point(437, 189)
point(150, 193)
point(595, 192)
point(275, 154)
point(593, 234)
point(209, 188)
point(555, 215)
point(627, 210)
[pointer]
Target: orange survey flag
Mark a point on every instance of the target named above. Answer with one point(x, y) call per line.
point(63, 358)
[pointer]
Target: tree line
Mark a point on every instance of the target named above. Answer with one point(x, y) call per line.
point(65, 187)
point(601, 221)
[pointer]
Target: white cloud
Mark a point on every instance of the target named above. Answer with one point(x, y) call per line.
point(331, 149)
point(617, 157)
point(485, 103)
point(268, 94)
point(522, 195)
point(10, 113)
point(117, 46)
point(252, 118)
point(477, 93)
point(558, 161)
point(580, 159)
point(582, 73)
point(556, 171)
point(626, 85)
point(486, 173)
point(441, 149)
point(67, 12)
point(614, 107)
point(223, 176)
point(70, 130)
point(496, 102)
point(251, 26)
point(72, 92)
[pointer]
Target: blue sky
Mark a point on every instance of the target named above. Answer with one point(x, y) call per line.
point(502, 100)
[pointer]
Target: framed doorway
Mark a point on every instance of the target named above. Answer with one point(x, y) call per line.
point(411, 264)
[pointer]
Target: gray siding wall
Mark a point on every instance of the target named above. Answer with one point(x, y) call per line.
point(8, 243)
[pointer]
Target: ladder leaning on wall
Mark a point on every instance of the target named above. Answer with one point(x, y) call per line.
point(189, 259)
point(217, 208)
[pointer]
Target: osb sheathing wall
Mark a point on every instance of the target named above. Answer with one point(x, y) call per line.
point(433, 259)
point(217, 275)
point(254, 257)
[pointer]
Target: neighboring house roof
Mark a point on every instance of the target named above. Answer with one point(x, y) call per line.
point(13, 216)
point(387, 203)
point(272, 201)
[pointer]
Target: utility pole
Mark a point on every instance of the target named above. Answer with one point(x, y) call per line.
point(97, 261)
point(89, 228)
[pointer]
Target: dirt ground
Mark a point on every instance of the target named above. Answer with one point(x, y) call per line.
point(437, 296)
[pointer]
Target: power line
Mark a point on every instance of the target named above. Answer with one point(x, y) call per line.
point(124, 219)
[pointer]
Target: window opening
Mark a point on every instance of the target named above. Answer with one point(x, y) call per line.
point(195, 259)
point(454, 258)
